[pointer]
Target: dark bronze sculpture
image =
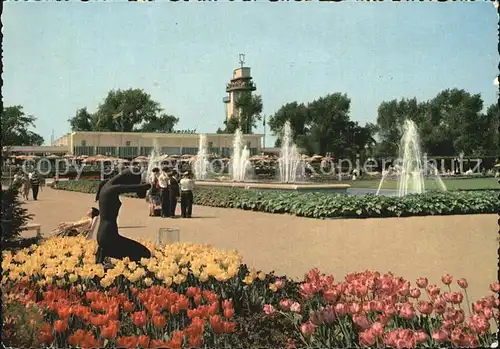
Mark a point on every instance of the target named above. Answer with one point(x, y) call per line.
point(111, 243)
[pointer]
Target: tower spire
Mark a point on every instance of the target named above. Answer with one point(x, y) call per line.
point(242, 59)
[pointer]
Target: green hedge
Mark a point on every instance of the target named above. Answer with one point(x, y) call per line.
point(319, 205)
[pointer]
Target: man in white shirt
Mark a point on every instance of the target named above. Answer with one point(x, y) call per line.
point(165, 193)
point(187, 187)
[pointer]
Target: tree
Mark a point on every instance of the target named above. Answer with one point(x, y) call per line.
point(82, 121)
point(131, 110)
point(14, 215)
point(15, 127)
point(450, 123)
point(323, 126)
point(230, 125)
point(249, 108)
point(164, 123)
point(390, 120)
point(298, 117)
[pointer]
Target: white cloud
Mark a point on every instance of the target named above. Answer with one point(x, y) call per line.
point(496, 81)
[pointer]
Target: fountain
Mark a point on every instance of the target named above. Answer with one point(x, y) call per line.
point(201, 163)
point(291, 169)
point(411, 165)
point(240, 163)
point(154, 159)
point(290, 162)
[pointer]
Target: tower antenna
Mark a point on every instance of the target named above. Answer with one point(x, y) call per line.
point(242, 59)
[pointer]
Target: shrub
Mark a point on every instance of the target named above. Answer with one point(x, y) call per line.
point(14, 215)
point(321, 205)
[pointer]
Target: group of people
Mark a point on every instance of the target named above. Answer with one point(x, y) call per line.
point(166, 190)
point(28, 182)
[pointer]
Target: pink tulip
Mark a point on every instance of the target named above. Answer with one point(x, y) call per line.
point(307, 328)
point(355, 308)
point(279, 284)
point(285, 304)
point(331, 296)
point(495, 287)
point(440, 335)
point(329, 315)
point(462, 283)
point(361, 321)
point(433, 290)
point(340, 309)
point(415, 293)
point(377, 329)
point(479, 324)
point(269, 309)
point(407, 311)
point(425, 307)
point(456, 297)
point(422, 282)
point(295, 307)
point(447, 279)
point(421, 336)
point(367, 338)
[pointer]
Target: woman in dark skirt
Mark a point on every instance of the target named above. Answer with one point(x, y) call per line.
point(154, 195)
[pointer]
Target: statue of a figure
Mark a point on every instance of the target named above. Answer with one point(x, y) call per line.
point(111, 244)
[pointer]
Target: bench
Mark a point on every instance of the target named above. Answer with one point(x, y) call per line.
point(37, 227)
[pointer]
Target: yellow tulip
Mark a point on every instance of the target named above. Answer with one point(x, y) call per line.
point(148, 282)
point(261, 276)
point(248, 280)
point(132, 266)
point(203, 277)
point(179, 279)
point(167, 281)
point(72, 278)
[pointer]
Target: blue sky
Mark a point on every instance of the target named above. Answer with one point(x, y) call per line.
point(62, 56)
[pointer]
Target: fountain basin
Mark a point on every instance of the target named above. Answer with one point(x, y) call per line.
point(289, 187)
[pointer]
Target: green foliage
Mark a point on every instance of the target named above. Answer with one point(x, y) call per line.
point(324, 126)
point(15, 127)
point(250, 109)
point(21, 324)
point(127, 111)
point(321, 205)
point(14, 215)
point(450, 123)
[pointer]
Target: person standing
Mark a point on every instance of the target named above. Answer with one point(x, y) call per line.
point(165, 195)
point(187, 187)
point(154, 192)
point(174, 192)
point(35, 184)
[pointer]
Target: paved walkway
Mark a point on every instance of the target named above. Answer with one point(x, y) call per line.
point(464, 246)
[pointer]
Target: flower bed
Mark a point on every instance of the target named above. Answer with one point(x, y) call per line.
point(318, 205)
point(190, 296)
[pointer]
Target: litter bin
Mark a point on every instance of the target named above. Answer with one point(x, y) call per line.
point(168, 236)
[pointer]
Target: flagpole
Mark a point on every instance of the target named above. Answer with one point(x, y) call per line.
point(264, 141)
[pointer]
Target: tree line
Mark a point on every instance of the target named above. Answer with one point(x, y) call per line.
point(452, 122)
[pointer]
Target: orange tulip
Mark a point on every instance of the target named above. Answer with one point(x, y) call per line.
point(228, 313)
point(60, 325)
point(128, 306)
point(159, 321)
point(64, 312)
point(143, 341)
point(139, 318)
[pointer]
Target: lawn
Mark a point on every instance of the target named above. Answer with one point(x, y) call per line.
point(451, 184)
